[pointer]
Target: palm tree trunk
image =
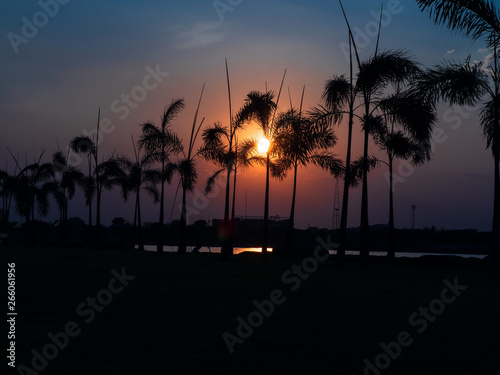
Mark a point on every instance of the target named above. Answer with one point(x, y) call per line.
point(159, 246)
point(364, 229)
point(32, 221)
point(234, 195)
point(233, 209)
point(226, 249)
point(265, 229)
point(495, 256)
point(182, 234)
point(134, 224)
point(291, 222)
point(391, 248)
point(345, 194)
point(64, 221)
point(139, 223)
point(98, 215)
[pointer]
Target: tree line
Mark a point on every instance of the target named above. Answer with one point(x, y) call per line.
point(389, 94)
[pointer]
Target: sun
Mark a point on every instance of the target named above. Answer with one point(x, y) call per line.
point(263, 145)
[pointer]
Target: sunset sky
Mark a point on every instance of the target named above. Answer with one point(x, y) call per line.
point(91, 54)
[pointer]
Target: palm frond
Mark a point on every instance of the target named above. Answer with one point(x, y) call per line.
point(462, 84)
point(329, 162)
point(211, 181)
point(356, 169)
point(474, 18)
point(83, 145)
point(175, 107)
point(383, 69)
point(490, 115)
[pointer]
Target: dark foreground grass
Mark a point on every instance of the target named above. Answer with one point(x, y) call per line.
point(171, 318)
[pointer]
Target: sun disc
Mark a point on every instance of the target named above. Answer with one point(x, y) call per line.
point(263, 145)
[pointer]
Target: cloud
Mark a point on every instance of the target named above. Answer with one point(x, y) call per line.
point(200, 35)
point(451, 51)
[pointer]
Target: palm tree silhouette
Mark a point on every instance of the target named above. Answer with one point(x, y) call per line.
point(403, 131)
point(186, 167)
point(33, 188)
point(339, 99)
point(66, 179)
point(465, 84)
point(7, 189)
point(377, 74)
point(139, 176)
point(86, 146)
point(261, 108)
point(160, 142)
point(300, 141)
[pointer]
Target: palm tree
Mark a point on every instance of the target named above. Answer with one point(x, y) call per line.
point(261, 108)
point(32, 189)
point(403, 131)
point(7, 189)
point(86, 146)
point(220, 147)
point(139, 177)
point(466, 83)
point(385, 70)
point(188, 175)
point(108, 174)
point(339, 99)
point(160, 142)
point(66, 178)
point(375, 75)
point(298, 140)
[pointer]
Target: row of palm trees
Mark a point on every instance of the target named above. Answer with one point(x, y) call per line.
point(390, 95)
point(400, 120)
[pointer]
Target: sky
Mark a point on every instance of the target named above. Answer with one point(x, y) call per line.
point(62, 60)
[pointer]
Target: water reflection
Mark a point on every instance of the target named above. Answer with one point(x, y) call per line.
point(207, 249)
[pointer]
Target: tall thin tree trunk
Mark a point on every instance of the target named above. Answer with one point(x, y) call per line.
point(139, 223)
point(98, 185)
point(291, 222)
point(98, 215)
point(495, 256)
point(134, 224)
point(364, 226)
point(64, 221)
point(159, 246)
point(226, 249)
point(233, 208)
point(234, 194)
point(183, 229)
point(391, 248)
point(265, 228)
point(347, 184)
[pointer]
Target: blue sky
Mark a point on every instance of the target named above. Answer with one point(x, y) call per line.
point(90, 53)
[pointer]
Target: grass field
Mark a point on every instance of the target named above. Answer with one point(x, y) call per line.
point(170, 319)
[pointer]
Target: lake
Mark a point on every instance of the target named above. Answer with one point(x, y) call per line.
point(238, 250)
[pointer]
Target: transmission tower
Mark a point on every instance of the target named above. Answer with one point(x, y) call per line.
point(336, 206)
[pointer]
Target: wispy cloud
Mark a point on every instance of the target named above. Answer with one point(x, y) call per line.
point(450, 52)
point(199, 35)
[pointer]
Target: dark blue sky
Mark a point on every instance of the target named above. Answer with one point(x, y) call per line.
point(90, 53)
